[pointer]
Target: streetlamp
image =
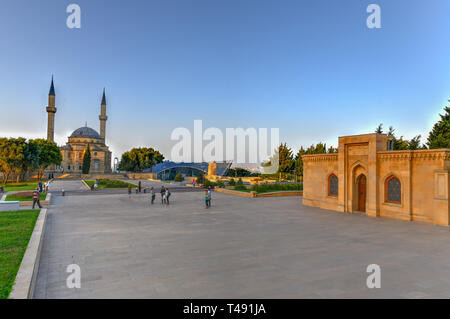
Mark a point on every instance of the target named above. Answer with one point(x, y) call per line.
point(390, 142)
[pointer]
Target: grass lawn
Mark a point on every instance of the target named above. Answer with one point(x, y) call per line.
point(16, 187)
point(110, 183)
point(23, 198)
point(15, 232)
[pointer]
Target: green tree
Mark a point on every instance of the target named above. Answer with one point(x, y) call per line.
point(299, 161)
point(286, 159)
point(138, 159)
point(439, 136)
point(379, 128)
point(178, 177)
point(49, 155)
point(31, 153)
point(86, 160)
point(401, 143)
point(200, 178)
point(12, 157)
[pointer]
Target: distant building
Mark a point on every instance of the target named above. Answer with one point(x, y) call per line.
point(73, 151)
point(168, 170)
point(366, 178)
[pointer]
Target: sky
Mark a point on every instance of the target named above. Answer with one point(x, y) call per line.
point(313, 69)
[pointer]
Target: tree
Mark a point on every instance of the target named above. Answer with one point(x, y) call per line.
point(299, 162)
point(178, 177)
point(379, 128)
point(439, 136)
point(86, 160)
point(49, 155)
point(138, 159)
point(414, 144)
point(200, 178)
point(31, 153)
point(12, 157)
point(286, 159)
point(400, 143)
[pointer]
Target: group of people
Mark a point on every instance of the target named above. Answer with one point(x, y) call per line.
point(43, 188)
point(165, 195)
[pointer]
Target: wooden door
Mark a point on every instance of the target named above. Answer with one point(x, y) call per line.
point(362, 193)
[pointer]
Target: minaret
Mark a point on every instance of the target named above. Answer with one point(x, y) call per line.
point(51, 110)
point(103, 117)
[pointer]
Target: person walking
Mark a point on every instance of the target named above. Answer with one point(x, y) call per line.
point(163, 194)
point(206, 198)
point(96, 184)
point(153, 195)
point(129, 191)
point(167, 196)
point(40, 187)
point(209, 196)
point(36, 198)
point(140, 186)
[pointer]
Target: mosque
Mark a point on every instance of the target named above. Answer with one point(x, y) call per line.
point(78, 142)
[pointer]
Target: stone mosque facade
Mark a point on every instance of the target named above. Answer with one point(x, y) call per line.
point(78, 142)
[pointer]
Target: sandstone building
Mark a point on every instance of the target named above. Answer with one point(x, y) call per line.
point(363, 177)
point(73, 152)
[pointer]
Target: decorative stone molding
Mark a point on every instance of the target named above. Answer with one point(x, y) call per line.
point(320, 157)
point(440, 154)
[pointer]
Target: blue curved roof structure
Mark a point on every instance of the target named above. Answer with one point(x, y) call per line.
point(221, 168)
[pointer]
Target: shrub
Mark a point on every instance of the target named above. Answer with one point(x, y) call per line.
point(220, 184)
point(232, 182)
point(200, 178)
point(262, 188)
point(240, 188)
point(240, 182)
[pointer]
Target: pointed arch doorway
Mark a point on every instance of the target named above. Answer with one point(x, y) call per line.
point(361, 189)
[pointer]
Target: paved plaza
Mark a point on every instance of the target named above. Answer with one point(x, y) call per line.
point(239, 248)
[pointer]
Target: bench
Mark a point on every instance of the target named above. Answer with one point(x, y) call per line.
point(7, 206)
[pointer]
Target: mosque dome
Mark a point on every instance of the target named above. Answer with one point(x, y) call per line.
point(86, 132)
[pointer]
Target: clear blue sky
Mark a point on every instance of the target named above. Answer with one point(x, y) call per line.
point(311, 68)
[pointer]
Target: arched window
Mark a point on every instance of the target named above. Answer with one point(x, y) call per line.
point(393, 190)
point(333, 184)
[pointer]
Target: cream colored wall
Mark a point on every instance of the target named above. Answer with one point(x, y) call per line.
point(424, 180)
point(317, 169)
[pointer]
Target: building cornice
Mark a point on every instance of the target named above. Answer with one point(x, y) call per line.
point(320, 157)
point(435, 154)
